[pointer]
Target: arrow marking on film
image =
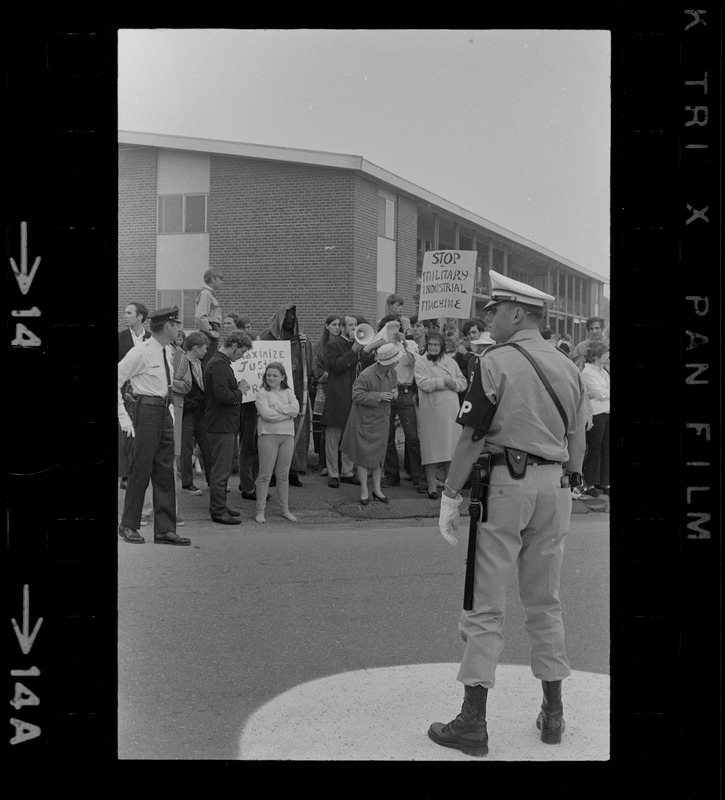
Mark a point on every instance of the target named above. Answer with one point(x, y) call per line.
point(24, 280)
point(26, 638)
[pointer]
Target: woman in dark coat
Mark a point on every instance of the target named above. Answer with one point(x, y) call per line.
point(342, 357)
point(365, 440)
point(330, 330)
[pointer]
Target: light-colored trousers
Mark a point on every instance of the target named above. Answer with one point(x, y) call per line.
point(275, 455)
point(333, 437)
point(527, 525)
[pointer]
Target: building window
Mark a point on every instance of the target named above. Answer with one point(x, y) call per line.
point(185, 299)
point(182, 213)
point(386, 217)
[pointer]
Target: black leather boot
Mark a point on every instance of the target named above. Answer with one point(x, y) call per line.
point(551, 719)
point(467, 732)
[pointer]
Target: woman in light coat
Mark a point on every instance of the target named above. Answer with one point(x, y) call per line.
point(439, 379)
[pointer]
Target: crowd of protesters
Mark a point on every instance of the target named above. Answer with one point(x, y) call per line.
point(347, 394)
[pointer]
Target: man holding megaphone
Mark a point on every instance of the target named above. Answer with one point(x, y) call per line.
point(389, 333)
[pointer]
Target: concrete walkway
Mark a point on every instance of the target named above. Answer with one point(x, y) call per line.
point(316, 502)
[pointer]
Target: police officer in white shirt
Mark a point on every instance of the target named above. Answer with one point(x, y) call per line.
point(150, 425)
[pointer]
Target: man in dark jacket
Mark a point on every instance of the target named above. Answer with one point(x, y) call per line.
point(285, 326)
point(223, 399)
point(342, 356)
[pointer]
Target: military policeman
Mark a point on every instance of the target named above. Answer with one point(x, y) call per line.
point(150, 425)
point(509, 413)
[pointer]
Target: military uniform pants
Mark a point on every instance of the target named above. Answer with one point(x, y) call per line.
point(527, 525)
point(151, 457)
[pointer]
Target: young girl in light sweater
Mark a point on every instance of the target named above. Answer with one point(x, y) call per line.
point(277, 407)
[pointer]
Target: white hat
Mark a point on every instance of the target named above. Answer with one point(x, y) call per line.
point(483, 338)
point(388, 354)
point(503, 288)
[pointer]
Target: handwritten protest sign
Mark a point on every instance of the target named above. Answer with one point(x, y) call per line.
point(252, 364)
point(446, 286)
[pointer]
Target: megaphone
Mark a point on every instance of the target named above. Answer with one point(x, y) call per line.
point(366, 336)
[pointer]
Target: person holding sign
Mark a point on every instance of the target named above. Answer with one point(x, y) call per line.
point(439, 379)
point(285, 325)
point(247, 454)
point(277, 407)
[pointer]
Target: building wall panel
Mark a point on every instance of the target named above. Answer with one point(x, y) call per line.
point(282, 233)
point(136, 228)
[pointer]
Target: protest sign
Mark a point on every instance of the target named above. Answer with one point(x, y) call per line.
point(252, 364)
point(446, 285)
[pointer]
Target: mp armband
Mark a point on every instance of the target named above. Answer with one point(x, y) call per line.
point(476, 411)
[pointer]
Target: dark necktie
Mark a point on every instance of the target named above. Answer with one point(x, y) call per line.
point(168, 374)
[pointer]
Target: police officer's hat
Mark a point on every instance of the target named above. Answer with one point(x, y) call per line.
point(170, 314)
point(503, 288)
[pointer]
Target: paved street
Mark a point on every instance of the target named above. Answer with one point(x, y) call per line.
point(211, 635)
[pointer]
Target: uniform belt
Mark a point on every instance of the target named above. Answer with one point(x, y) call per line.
point(405, 387)
point(499, 459)
point(153, 400)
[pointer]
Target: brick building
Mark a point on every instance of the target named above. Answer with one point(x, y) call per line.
point(329, 232)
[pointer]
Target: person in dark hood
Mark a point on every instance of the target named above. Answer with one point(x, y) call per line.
point(285, 326)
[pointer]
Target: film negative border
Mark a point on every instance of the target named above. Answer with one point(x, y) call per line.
point(60, 209)
point(60, 595)
point(665, 519)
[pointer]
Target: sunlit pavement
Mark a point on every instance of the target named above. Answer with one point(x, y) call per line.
point(383, 715)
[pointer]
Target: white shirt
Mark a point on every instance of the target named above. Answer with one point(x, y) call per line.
point(144, 367)
point(597, 381)
point(197, 371)
point(137, 340)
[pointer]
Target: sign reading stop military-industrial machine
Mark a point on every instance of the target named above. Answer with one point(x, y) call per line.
point(446, 284)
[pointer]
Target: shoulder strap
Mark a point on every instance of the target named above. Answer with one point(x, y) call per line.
point(546, 383)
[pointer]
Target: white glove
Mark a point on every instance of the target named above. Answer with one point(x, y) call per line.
point(449, 516)
point(126, 425)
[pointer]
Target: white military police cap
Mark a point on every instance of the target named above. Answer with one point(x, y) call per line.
point(504, 288)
